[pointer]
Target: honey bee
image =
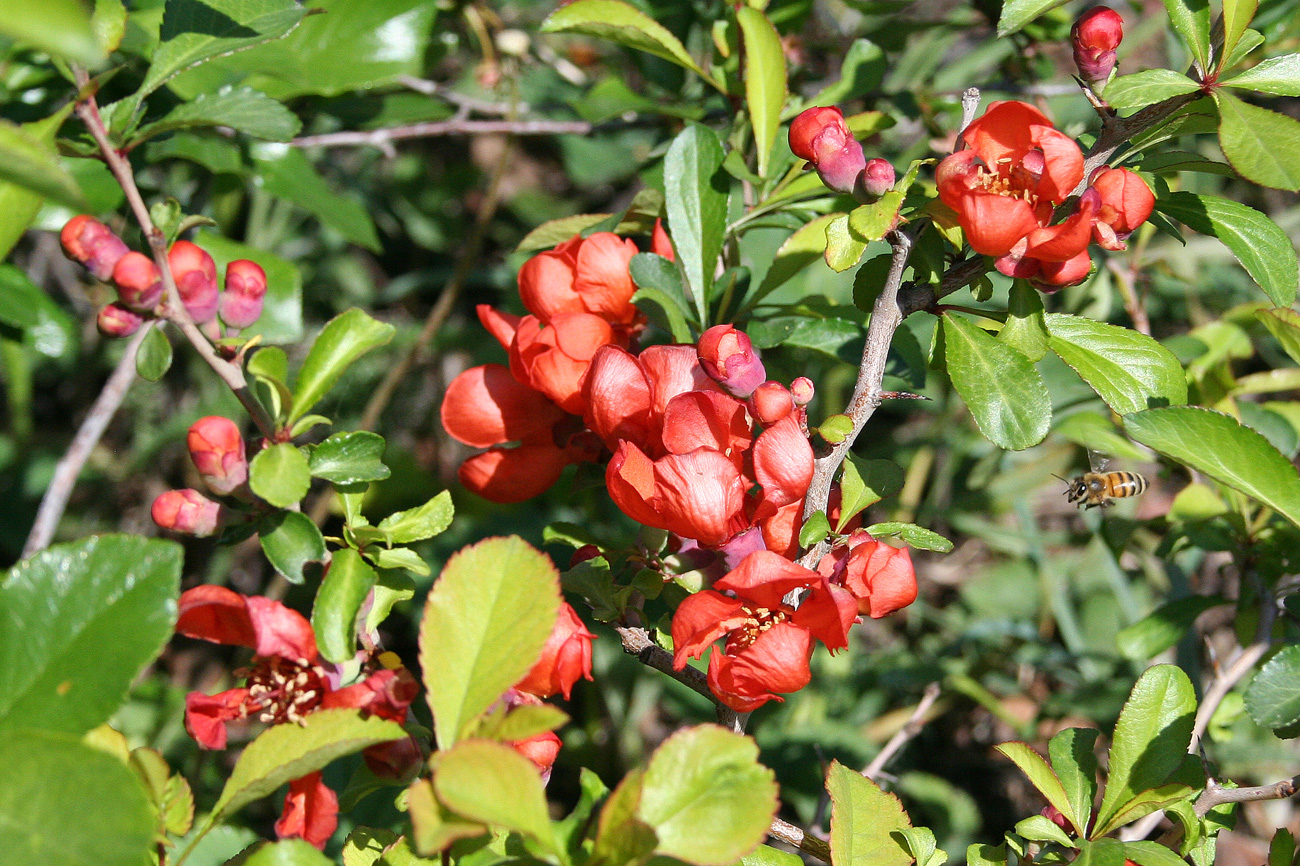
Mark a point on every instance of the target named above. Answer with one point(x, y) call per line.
point(1099, 488)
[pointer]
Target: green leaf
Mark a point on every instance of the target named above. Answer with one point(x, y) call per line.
point(108, 22)
point(345, 338)
point(1004, 392)
point(154, 357)
point(1017, 13)
point(350, 458)
point(400, 557)
point(19, 299)
point(765, 79)
point(801, 249)
point(863, 820)
point(280, 474)
point(1100, 852)
point(1075, 765)
point(243, 110)
point(621, 837)
point(696, 201)
point(30, 162)
point(287, 852)
point(658, 280)
point(1096, 432)
point(288, 174)
point(1283, 324)
point(1277, 75)
point(194, 31)
point(622, 23)
point(1042, 777)
point(334, 615)
point(521, 722)
point(1258, 142)
point(1130, 371)
point(1223, 449)
point(61, 27)
point(873, 221)
point(78, 622)
point(1273, 697)
point(492, 783)
point(707, 797)
point(917, 537)
point(1147, 88)
point(417, 524)
point(485, 623)
point(864, 483)
point(19, 204)
point(554, 232)
point(1191, 21)
point(283, 753)
point(766, 855)
point(1039, 828)
point(1152, 854)
point(291, 541)
point(68, 804)
point(814, 529)
point(836, 428)
point(1263, 249)
point(664, 311)
point(844, 247)
point(1025, 329)
point(1151, 738)
point(1163, 627)
point(1236, 16)
point(1282, 848)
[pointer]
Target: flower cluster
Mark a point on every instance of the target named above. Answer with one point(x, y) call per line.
point(1005, 188)
point(822, 137)
point(139, 282)
point(218, 453)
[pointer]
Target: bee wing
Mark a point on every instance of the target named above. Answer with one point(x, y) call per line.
point(1097, 461)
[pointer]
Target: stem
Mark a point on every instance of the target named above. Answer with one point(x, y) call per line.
point(636, 641)
point(383, 138)
point(1216, 795)
point(87, 437)
point(906, 733)
point(172, 309)
point(792, 835)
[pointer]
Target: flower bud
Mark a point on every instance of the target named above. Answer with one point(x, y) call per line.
point(196, 280)
point(116, 320)
point(1094, 37)
point(138, 282)
point(217, 450)
point(802, 390)
point(821, 136)
point(241, 302)
point(87, 240)
point(186, 511)
point(771, 402)
point(877, 178)
point(565, 658)
point(541, 750)
point(729, 359)
point(1122, 201)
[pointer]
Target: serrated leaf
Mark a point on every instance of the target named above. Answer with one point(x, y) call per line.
point(863, 819)
point(520, 722)
point(344, 339)
point(1223, 449)
point(696, 203)
point(871, 222)
point(765, 79)
point(283, 753)
point(244, 110)
point(1075, 765)
point(1147, 88)
point(554, 232)
point(417, 524)
point(844, 248)
point(707, 797)
point(350, 458)
point(1005, 394)
point(280, 474)
point(1042, 777)
point(291, 542)
point(814, 529)
point(864, 483)
point(287, 852)
point(1277, 75)
point(1273, 697)
point(917, 537)
point(338, 602)
point(154, 357)
point(1151, 738)
point(1129, 370)
point(78, 622)
point(801, 249)
point(400, 557)
point(1236, 15)
point(622, 23)
point(1284, 325)
point(1191, 21)
point(1163, 627)
point(1263, 249)
point(493, 784)
point(485, 623)
point(1257, 142)
point(658, 280)
point(1025, 328)
point(1039, 828)
point(1145, 853)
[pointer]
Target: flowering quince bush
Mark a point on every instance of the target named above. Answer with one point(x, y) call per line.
point(780, 419)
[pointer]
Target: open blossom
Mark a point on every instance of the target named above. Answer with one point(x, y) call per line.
point(581, 275)
point(565, 658)
point(767, 642)
point(878, 575)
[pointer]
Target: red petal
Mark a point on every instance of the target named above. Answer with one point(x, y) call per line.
point(546, 284)
point(280, 631)
point(500, 325)
point(707, 419)
point(765, 577)
point(701, 619)
point(629, 477)
point(602, 278)
point(697, 494)
point(217, 614)
point(828, 613)
point(1060, 243)
point(617, 397)
point(486, 406)
point(311, 811)
point(513, 474)
point(993, 223)
point(206, 715)
point(783, 462)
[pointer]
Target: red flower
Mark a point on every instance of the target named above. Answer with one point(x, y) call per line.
point(694, 495)
point(581, 275)
point(486, 406)
point(729, 358)
point(217, 450)
point(627, 395)
point(311, 811)
point(1016, 170)
point(542, 749)
point(553, 357)
point(1094, 38)
point(821, 136)
point(1124, 202)
point(879, 576)
point(565, 658)
point(768, 642)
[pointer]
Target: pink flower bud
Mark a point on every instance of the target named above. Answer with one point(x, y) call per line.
point(729, 359)
point(802, 390)
point(771, 402)
point(241, 303)
point(138, 282)
point(196, 280)
point(877, 177)
point(186, 511)
point(217, 450)
point(821, 136)
point(87, 240)
point(116, 320)
point(1094, 37)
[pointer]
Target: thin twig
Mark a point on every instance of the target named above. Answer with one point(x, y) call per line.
point(636, 641)
point(456, 126)
point(1216, 795)
point(458, 99)
point(792, 835)
point(909, 730)
point(172, 309)
point(87, 437)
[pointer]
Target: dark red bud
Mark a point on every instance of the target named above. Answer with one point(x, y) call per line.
point(116, 320)
point(878, 177)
